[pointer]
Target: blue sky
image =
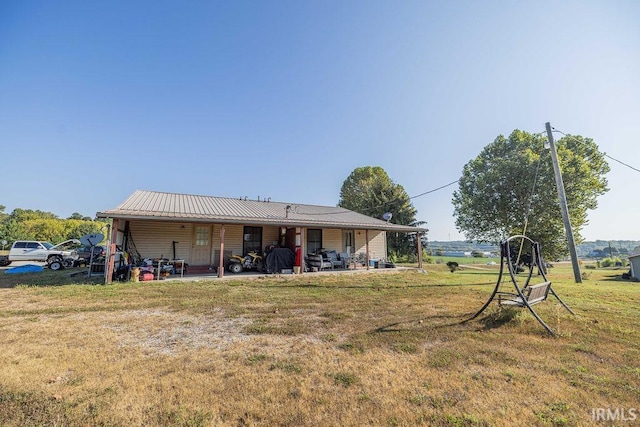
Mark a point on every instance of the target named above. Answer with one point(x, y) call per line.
point(283, 99)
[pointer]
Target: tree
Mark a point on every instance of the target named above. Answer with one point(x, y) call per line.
point(76, 215)
point(369, 191)
point(27, 224)
point(496, 194)
point(610, 250)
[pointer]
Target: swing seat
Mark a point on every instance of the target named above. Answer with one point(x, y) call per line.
point(534, 294)
point(527, 295)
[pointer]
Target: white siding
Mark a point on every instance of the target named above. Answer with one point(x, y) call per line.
point(233, 235)
point(270, 234)
point(634, 261)
point(376, 243)
point(332, 239)
point(153, 239)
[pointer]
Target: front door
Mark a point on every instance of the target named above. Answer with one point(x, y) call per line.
point(201, 249)
point(348, 241)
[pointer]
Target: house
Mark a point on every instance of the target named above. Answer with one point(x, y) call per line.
point(634, 261)
point(205, 231)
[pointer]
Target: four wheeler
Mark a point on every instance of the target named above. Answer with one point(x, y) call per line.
point(251, 261)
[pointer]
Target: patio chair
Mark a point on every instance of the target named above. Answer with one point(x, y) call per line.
point(332, 257)
point(346, 259)
point(318, 262)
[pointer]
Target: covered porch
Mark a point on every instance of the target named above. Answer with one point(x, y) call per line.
point(204, 235)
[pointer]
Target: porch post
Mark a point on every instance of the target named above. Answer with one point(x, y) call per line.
point(419, 236)
point(112, 252)
point(303, 249)
point(221, 260)
point(299, 260)
point(366, 257)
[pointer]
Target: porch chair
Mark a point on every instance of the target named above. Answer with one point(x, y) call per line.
point(332, 257)
point(317, 261)
point(346, 259)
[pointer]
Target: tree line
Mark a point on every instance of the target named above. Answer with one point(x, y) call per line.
point(28, 224)
point(508, 189)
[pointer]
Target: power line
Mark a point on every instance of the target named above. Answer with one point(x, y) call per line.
point(412, 197)
point(604, 154)
point(622, 163)
point(434, 190)
point(379, 206)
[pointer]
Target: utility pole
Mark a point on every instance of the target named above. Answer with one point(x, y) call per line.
point(563, 206)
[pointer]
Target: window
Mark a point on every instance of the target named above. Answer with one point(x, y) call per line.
point(33, 245)
point(202, 236)
point(20, 245)
point(314, 240)
point(252, 240)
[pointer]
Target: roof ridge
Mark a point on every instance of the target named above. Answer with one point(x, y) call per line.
point(239, 199)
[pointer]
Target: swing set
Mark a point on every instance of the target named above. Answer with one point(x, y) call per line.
point(528, 294)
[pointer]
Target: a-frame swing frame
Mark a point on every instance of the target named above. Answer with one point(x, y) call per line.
point(527, 295)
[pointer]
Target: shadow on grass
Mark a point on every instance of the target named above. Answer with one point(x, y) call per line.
point(427, 322)
point(368, 287)
point(49, 278)
point(617, 278)
point(499, 318)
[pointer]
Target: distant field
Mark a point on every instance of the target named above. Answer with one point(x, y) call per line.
point(462, 260)
point(380, 348)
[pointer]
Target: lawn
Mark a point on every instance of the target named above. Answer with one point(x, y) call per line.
point(383, 348)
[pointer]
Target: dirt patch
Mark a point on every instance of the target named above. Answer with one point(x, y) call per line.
point(166, 332)
point(162, 332)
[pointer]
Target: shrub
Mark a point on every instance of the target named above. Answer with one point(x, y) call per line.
point(453, 266)
point(610, 262)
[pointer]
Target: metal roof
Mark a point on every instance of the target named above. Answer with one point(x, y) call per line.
point(154, 205)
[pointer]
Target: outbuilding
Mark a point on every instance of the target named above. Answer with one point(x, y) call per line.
point(634, 261)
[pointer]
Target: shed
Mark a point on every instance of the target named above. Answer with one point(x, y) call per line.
point(634, 261)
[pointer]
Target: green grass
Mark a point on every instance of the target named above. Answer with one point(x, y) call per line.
point(68, 276)
point(463, 260)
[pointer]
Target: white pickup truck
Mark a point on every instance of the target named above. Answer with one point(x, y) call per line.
point(56, 256)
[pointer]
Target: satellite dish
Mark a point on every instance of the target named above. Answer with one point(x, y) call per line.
point(387, 216)
point(92, 239)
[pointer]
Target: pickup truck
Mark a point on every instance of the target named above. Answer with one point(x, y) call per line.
point(56, 256)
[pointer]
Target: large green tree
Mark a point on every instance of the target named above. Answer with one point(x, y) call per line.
point(27, 224)
point(369, 191)
point(512, 182)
